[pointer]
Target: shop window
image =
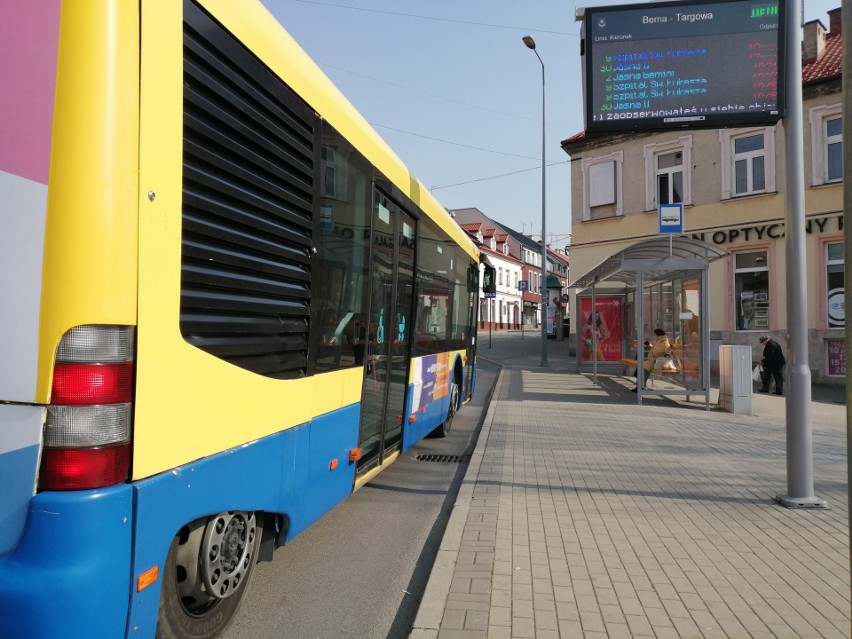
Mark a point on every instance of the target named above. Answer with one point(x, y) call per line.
point(835, 357)
point(827, 143)
point(668, 173)
point(835, 285)
point(751, 291)
point(602, 186)
point(748, 161)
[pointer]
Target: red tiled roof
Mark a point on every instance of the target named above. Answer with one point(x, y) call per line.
point(471, 226)
point(574, 138)
point(561, 256)
point(500, 254)
point(828, 65)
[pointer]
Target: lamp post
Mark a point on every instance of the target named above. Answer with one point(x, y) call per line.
point(531, 45)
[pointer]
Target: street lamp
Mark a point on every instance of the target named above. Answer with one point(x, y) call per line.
point(531, 45)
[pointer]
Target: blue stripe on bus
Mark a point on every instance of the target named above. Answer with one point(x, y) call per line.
point(70, 575)
point(288, 473)
point(17, 477)
point(434, 415)
point(426, 421)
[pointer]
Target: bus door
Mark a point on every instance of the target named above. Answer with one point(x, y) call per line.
point(470, 332)
point(389, 333)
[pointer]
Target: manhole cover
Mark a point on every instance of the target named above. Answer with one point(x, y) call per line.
point(445, 459)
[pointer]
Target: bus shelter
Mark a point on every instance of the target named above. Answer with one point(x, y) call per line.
point(660, 283)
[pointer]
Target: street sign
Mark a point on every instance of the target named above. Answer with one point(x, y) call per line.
point(523, 285)
point(490, 296)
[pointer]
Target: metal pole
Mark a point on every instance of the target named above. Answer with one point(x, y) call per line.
point(640, 335)
point(846, 30)
point(594, 324)
point(543, 228)
point(531, 45)
point(800, 482)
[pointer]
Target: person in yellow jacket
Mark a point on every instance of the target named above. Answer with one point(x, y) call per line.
point(660, 347)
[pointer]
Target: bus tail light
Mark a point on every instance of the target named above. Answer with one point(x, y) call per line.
point(87, 434)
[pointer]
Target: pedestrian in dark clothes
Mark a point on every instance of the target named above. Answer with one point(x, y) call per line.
point(773, 363)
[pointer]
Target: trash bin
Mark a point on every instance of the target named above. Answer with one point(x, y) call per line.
point(735, 382)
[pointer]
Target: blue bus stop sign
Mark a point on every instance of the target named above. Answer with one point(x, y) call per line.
point(671, 218)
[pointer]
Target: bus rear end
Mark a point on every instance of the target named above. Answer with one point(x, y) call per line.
point(68, 180)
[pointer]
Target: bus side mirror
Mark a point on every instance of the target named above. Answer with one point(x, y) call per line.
point(472, 278)
point(489, 283)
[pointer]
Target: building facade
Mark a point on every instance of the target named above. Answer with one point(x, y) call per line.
point(523, 249)
point(503, 310)
point(733, 187)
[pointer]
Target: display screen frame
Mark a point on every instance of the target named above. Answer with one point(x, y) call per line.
point(709, 97)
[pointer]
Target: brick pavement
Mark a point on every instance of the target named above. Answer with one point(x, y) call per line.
point(584, 515)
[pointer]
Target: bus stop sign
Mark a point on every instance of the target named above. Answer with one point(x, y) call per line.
point(671, 218)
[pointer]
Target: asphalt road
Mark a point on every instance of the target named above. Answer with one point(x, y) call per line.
point(361, 570)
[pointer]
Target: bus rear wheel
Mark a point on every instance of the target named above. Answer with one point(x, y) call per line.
point(444, 428)
point(206, 574)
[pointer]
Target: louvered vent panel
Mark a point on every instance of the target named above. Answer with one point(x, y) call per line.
point(248, 183)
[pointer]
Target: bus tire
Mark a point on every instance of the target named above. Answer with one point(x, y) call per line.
point(444, 428)
point(206, 575)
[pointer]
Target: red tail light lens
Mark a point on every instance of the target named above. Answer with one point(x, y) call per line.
point(75, 384)
point(83, 468)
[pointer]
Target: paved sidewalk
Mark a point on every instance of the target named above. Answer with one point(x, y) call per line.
point(585, 515)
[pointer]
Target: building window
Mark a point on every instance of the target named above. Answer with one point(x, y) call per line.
point(751, 291)
point(602, 186)
point(835, 286)
point(668, 173)
point(827, 143)
point(749, 165)
point(332, 175)
point(670, 178)
point(748, 160)
point(834, 149)
point(500, 276)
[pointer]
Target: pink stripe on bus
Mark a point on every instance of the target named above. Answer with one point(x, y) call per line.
point(29, 41)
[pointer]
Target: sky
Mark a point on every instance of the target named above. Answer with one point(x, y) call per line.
point(454, 91)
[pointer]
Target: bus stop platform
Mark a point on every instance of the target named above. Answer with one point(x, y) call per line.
point(582, 514)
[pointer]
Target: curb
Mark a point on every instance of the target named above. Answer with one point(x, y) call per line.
point(434, 602)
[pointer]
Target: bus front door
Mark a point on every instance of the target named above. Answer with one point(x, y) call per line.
point(389, 333)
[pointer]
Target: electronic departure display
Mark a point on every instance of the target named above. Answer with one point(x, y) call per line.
point(689, 64)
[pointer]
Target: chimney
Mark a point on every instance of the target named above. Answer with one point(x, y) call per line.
point(834, 21)
point(813, 40)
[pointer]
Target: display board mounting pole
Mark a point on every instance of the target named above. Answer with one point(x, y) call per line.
point(800, 482)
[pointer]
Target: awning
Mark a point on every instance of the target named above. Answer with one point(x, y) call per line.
point(660, 258)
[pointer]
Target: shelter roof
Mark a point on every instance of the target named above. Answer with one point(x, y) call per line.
point(659, 258)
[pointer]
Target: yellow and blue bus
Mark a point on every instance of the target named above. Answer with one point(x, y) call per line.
point(226, 304)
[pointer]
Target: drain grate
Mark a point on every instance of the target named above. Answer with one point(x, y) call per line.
point(445, 459)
